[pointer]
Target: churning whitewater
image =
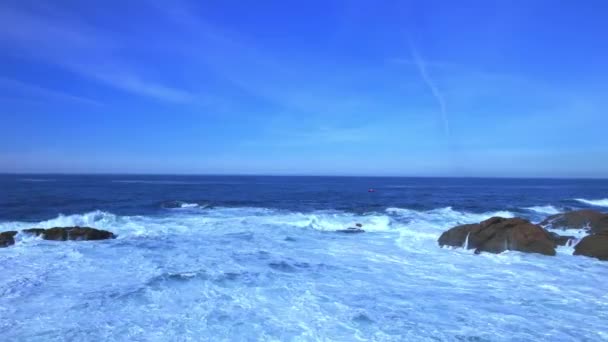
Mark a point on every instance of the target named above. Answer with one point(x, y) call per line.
point(204, 262)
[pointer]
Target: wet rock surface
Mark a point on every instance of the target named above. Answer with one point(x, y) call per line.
point(595, 246)
point(7, 238)
point(70, 233)
point(497, 234)
point(591, 220)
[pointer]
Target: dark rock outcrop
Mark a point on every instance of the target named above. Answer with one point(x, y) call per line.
point(71, 233)
point(7, 238)
point(34, 231)
point(356, 229)
point(592, 220)
point(595, 246)
point(561, 240)
point(351, 230)
point(497, 234)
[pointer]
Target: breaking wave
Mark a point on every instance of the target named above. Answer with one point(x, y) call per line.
point(544, 209)
point(596, 203)
point(443, 217)
point(204, 269)
point(183, 205)
point(424, 224)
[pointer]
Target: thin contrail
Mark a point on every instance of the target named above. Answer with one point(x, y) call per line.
point(434, 90)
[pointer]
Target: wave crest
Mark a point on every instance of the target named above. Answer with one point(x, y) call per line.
point(596, 203)
point(427, 225)
point(95, 218)
point(544, 209)
point(183, 205)
point(442, 216)
point(417, 228)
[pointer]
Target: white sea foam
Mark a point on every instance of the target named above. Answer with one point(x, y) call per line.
point(441, 217)
point(425, 227)
point(184, 205)
point(596, 203)
point(227, 274)
point(92, 219)
point(189, 205)
point(544, 209)
point(428, 223)
point(577, 233)
point(329, 220)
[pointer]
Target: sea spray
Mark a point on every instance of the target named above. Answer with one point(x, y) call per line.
point(466, 241)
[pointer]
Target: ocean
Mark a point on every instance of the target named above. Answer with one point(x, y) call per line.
point(259, 258)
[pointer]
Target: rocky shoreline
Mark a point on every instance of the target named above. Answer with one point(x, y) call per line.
point(494, 235)
point(497, 234)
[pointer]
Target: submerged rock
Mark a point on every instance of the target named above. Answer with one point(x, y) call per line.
point(7, 238)
point(591, 220)
point(356, 229)
point(71, 233)
point(595, 246)
point(351, 230)
point(497, 234)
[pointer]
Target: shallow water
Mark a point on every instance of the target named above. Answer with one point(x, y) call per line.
point(259, 258)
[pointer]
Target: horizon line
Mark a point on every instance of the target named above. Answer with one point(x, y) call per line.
point(285, 175)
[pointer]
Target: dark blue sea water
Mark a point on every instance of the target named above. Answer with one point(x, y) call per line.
point(258, 258)
point(28, 197)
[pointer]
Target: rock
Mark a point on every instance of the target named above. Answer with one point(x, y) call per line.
point(592, 220)
point(351, 230)
point(34, 231)
point(71, 233)
point(457, 236)
point(356, 229)
point(497, 234)
point(561, 240)
point(7, 238)
point(595, 246)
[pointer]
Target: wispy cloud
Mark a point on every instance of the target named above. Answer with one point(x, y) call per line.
point(427, 63)
point(426, 78)
point(237, 59)
point(32, 89)
point(136, 85)
point(80, 48)
point(128, 81)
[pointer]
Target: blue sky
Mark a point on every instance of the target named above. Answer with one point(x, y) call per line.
point(409, 88)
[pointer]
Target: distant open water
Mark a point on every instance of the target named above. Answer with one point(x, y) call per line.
point(221, 258)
